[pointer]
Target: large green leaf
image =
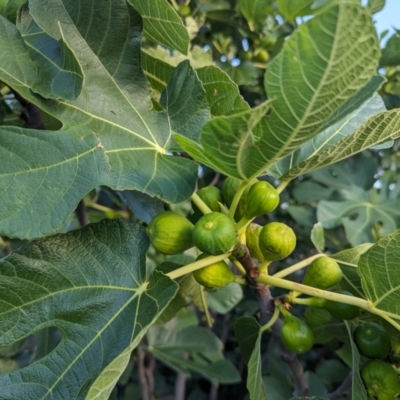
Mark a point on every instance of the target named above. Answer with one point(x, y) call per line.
point(113, 113)
point(325, 62)
point(91, 284)
point(358, 109)
point(375, 130)
point(191, 349)
point(380, 278)
point(162, 24)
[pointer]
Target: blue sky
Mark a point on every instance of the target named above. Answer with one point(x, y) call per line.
point(389, 17)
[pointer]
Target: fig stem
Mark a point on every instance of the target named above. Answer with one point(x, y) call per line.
point(263, 267)
point(242, 224)
point(236, 199)
point(282, 186)
point(203, 207)
point(197, 265)
point(273, 319)
point(324, 294)
point(240, 280)
point(238, 265)
point(295, 267)
point(311, 301)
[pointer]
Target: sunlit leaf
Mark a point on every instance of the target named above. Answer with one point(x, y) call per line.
point(162, 24)
point(330, 58)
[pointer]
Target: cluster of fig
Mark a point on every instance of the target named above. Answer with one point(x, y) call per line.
point(216, 232)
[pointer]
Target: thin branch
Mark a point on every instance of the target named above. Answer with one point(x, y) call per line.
point(343, 390)
point(144, 385)
point(180, 384)
point(81, 214)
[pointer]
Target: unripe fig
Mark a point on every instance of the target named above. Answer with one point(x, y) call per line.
point(372, 340)
point(252, 236)
point(276, 241)
point(261, 199)
point(170, 233)
point(323, 273)
point(216, 275)
point(214, 233)
point(211, 196)
point(380, 379)
point(342, 310)
point(296, 335)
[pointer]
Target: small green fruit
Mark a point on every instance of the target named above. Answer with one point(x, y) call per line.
point(211, 196)
point(372, 340)
point(214, 233)
point(170, 233)
point(380, 379)
point(261, 56)
point(261, 199)
point(342, 310)
point(276, 241)
point(323, 273)
point(296, 335)
point(184, 10)
point(215, 275)
point(252, 236)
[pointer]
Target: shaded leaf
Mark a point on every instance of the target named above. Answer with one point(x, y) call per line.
point(291, 9)
point(391, 53)
point(255, 11)
point(255, 384)
point(162, 24)
point(317, 237)
point(91, 284)
point(223, 300)
point(357, 390)
point(247, 330)
point(59, 74)
point(142, 205)
point(380, 278)
point(364, 215)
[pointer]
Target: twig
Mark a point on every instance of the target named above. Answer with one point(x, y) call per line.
point(81, 214)
point(180, 384)
point(144, 384)
point(215, 179)
point(32, 116)
point(343, 390)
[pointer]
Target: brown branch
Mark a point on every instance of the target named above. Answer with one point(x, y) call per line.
point(32, 115)
point(143, 379)
point(343, 390)
point(265, 300)
point(81, 214)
